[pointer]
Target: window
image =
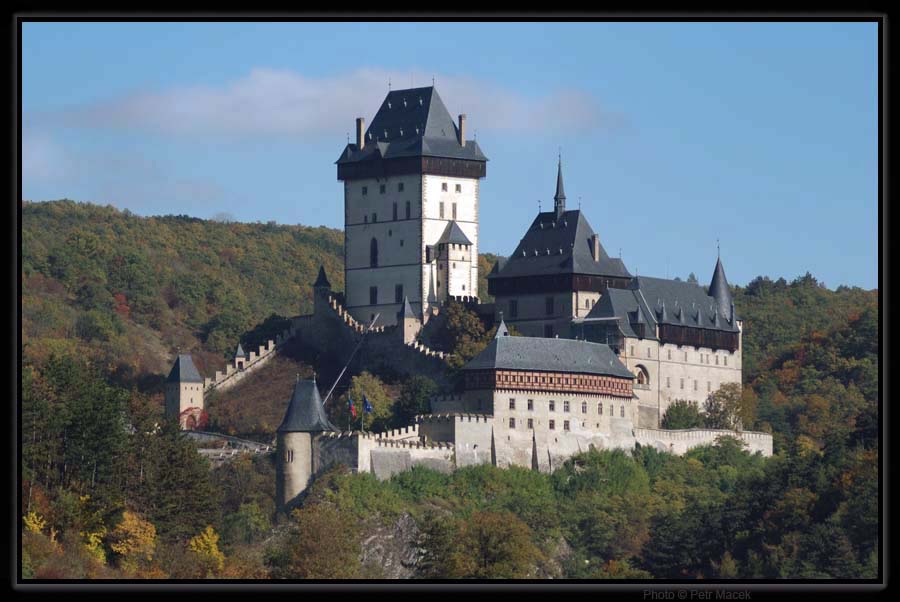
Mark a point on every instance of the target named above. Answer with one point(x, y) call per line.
point(670, 354)
point(565, 406)
point(513, 308)
point(398, 293)
point(395, 211)
point(400, 187)
point(390, 233)
point(668, 383)
point(708, 386)
point(401, 243)
point(512, 404)
point(622, 411)
point(548, 306)
point(408, 209)
point(366, 219)
point(584, 407)
point(512, 423)
point(717, 359)
point(381, 189)
point(726, 359)
point(632, 350)
point(695, 385)
point(441, 210)
point(552, 406)
point(374, 218)
point(587, 303)
point(530, 404)
point(454, 210)
point(365, 190)
point(373, 295)
point(459, 188)
point(548, 331)
point(373, 253)
point(648, 352)
point(682, 384)
point(552, 425)
point(530, 423)
point(565, 425)
point(444, 187)
point(600, 409)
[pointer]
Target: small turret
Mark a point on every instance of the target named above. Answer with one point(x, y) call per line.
point(719, 290)
point(409, 322)
point(559, 199)
point(321, 291)
point(184, 393)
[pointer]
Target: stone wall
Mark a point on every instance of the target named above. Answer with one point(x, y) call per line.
point(240, 368)
point(680, 441)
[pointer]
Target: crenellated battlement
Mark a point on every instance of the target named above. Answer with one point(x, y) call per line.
point(427, 351)
point(241, 367)
point(454, 417)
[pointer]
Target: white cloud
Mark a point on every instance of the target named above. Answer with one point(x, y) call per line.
point(271, 102)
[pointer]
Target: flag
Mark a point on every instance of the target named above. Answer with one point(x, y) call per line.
point(366, 405)
point(352, 409)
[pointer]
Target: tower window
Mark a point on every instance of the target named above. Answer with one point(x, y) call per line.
point(552, 406)
point(398, 293)
point(381, 189)
point(366, 219)
point(552, 425)
point(682, 384)
point(444, 187)
point(512, 423)
point(512, 404)
point(365, 190)
point(441, 210)
point(648, 352)
point(670, 354)
point(530, 404)
point(408, 210)
point(600, 409)
point(513, 308)
point(373, 295)
point(395, 211)
point(548, 305)
point(401, 243)
point(565, 425)
point(373, 253)
point(454, 210)
point(622, 411)
point(584, 407)
point(531, 423)
point(565, 406)
point(374, 218)
point(400, 187)
point(695, 385)
point(708, 386)
point(725, 358)
point(717, 359)
point(668, 383)
point(459, 188)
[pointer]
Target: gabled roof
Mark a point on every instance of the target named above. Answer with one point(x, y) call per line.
point(305, 413)
point(184, 371)
point(548, 355)
point(660, 301)
point(454, 234)
point(559, 246)
point(321, 279)
point(412, 123)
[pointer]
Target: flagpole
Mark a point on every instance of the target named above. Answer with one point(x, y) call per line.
point(361, 339)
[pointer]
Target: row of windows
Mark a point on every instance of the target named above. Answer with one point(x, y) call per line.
point(696, 384)
point(395, 213)
point(373, 294)
point(382, 188)
point(441, 210)
point(584, 406)
point(704, 357)
point(552, 423)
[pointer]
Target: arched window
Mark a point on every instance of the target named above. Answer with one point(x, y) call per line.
point(643, 377)
point(373, 253)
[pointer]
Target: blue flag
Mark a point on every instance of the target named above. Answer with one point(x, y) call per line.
point(366, 405)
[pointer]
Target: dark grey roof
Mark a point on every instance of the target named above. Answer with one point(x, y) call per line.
point(407, 311)
point(718, 289)
point(548, 355)
point(559, 245)
point(412, 123)
point(322, 279)
point(559, 198)
point(240, 351)
point(305, 413)
point(653, 301)
point(454, 234)
point(502, 330)
point(184, 371)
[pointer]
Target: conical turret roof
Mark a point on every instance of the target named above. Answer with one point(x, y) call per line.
point(322, 279)
point(239, 352)
point(718, 288)
point(305, 413)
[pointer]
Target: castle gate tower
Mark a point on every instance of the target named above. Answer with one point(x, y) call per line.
point(411, 184)
point(184, 393)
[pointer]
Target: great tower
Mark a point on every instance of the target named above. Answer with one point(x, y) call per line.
point(411, 192)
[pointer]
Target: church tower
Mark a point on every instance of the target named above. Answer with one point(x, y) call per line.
point(411, 190)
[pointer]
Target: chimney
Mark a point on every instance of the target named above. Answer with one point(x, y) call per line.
point(595, 247)
point(360, 133)
point(462, 130)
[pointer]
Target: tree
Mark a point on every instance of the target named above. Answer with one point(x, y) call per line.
point(323, 544)
point(692, 279)
point(682, 414)
point(415, 397)
point(246, 525)
point(724, 407)
point(370, 386)
point(133, 540)
point(204, 548)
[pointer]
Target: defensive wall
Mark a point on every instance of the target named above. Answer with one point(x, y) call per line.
point(680, 441)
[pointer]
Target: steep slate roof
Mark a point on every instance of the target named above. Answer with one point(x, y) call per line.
point(184, 371)
point(321, 279)
point(412, 123)
point(568, 239)
point(660, 301)
point(718, 289)
point(305, 413)
point(548, 355)
point(454, 234)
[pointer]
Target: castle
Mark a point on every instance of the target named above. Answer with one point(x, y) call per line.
point(604, 352)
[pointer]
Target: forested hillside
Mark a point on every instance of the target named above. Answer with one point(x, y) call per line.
point(111, 490)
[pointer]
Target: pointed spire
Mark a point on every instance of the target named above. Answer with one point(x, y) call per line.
point(305, 413)
point(239, 352)
point(502, 330)
point(407, 311)
point(718, 288)
point(322, 279)
point(663, 316)
point(559, 199)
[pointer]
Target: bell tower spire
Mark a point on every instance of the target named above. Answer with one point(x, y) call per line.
point(559, 199)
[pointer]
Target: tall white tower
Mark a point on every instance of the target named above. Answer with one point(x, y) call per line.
point(410, 186)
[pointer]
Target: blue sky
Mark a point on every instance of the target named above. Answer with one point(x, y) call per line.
point(673, 135)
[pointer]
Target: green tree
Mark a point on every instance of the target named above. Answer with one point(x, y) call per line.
point(724, 407)
point(682, 414)
point(323, 544)
point(415, 397)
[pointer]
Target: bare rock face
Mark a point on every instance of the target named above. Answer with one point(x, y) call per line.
point(392, 551)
